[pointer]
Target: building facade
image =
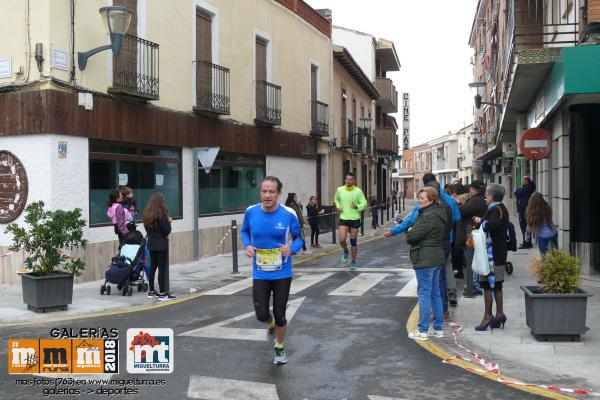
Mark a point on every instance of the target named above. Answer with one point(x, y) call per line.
point(466, 171)
point(81, 128)
point(536, 66)
point(444, 154)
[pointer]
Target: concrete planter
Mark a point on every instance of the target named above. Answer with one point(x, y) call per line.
point(46, 293)
point(552, 316)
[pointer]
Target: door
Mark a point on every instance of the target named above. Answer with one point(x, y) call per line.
point(261, 77)
point(313, 97)
point(204, 58)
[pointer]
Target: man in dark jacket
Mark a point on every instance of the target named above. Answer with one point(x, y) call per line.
point(523, 194)
point(474, 207)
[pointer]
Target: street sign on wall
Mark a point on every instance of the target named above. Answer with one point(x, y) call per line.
point(535, 144)
point(405, 121)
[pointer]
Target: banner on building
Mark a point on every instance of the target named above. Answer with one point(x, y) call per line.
point(405, 121)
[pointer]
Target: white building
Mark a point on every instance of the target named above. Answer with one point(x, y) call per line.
point(444, 152)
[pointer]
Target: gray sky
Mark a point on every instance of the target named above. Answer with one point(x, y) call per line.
point(431, 38)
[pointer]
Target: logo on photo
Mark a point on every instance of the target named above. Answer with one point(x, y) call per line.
point(150, 351)
point(23, 356)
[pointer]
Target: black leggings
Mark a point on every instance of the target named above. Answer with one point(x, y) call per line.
point(374, 222)
point(261, 293)
point(160, 260)
point(314, 234)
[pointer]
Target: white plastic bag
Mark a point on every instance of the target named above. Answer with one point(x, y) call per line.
point(480, 265)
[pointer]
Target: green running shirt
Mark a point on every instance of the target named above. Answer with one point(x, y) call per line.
point(344, 198)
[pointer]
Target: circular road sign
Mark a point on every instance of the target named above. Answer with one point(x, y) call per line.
point(535, 143)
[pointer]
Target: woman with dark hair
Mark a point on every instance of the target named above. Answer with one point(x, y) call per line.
point(495, 224)
point(265, 233)
point(292, 202)
point(118, 214)
point(158, 227)
point(539, 222)
point(313, 209)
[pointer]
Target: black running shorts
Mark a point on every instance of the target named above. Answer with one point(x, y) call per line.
point(350, 223)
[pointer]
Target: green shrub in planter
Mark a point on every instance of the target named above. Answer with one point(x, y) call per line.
point(45, 237)
point(558, 272)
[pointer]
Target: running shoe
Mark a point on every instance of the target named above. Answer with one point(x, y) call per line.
point(166, 297)
point(152, 294)
point(416, 335)
point(435, 333)
point(280, 356)
point(344, 258)
point(353, 265)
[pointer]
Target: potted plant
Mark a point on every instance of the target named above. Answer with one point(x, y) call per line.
point(556, 308)
point(48, 278)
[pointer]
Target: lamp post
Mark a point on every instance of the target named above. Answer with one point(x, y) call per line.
point(117, 18)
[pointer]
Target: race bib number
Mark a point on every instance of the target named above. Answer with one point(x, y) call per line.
point(269, 259)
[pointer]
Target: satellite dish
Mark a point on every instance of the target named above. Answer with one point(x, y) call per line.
point(207, 156)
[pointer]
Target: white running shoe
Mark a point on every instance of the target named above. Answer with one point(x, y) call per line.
point(416, 335)
point(434, 333)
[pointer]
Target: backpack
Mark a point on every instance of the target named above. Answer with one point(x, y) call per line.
point(511, 234)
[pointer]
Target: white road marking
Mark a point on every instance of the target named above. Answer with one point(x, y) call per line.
point(232, 288)
point(359, 285)
point(347, 269)
point(383, 398)
point(410, 289)
point(219, 331)
point(305, 281)
point(208, 388)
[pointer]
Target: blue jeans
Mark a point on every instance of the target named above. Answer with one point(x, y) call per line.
point(544, 243)
point(428, 291)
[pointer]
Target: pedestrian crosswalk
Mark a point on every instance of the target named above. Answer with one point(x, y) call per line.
point(354, 283)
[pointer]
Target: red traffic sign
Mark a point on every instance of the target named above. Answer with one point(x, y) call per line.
point(535, 143)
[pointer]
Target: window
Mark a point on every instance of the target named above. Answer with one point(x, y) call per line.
point(144, 169)
point(232, 184)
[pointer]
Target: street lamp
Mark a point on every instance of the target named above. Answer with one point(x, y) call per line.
point(477, 89)
point(366, 123)
point(118, 19)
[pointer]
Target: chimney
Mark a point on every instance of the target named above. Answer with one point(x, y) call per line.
point(326, 13)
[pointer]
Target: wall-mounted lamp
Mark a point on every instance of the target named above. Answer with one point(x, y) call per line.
point(118, 19)
point(366, 123)
point(39, 55)
point(477, 89)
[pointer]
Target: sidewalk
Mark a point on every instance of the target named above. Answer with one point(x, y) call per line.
point(186, 280)
point(566, 364)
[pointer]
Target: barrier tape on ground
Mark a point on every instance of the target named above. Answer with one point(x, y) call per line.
point(482, 367)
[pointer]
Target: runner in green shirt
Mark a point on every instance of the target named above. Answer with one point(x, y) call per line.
point(350, 201)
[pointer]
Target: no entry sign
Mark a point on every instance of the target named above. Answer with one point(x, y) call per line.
point(535, 143)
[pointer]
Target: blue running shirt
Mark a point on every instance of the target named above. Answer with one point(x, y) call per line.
point(267, 231)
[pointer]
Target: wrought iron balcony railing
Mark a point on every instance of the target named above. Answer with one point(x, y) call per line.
point(319, 118)
point(212, 88)
point(268, 104)
point(348, 137)
point(135, 69)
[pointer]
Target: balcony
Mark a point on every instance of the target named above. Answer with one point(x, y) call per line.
point(319, 119)
point(369, 146)
point(268, 104)
point(212, 89)
point(348, 137)
point(388, 100)
point(135, 70)
point(386, 140)
point(358, 142)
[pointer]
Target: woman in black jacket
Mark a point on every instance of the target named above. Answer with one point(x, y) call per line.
point(158, 227)
point(313, 209)
point(495, 224)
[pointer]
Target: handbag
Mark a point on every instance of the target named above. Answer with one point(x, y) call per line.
point(481, 263)
point(469, 242)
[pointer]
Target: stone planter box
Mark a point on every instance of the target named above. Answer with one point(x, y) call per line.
point(47, 293)
point(554, 316)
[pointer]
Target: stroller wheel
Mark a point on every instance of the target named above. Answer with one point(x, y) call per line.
point(145, 288)
point(130, 291)
point(509, 268)
point(107, 290)
point(102, 289)
point(120, 286)
point(124, 291)
point(140, 287)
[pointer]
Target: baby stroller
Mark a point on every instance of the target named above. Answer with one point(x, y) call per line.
point(127, 268)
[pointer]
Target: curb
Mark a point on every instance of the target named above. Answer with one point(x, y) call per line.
point(153, 306)
point(411, 325)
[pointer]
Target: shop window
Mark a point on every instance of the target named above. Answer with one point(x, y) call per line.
point(144, 169)
point(232, 184)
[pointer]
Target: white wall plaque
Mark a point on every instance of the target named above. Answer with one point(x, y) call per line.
point(5, 68)
point(59, 59)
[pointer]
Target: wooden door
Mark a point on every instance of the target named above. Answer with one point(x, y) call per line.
point(261, 77)
point(203, 58)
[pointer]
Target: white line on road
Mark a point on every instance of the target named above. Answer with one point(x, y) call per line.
point(219, 331)
point(383, 398)
point(305, 281)
point(410, 289)
point(359, 285)
point(207, 388)
point(304, 268)
point(232, 288)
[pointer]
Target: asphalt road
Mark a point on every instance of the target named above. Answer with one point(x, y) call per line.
point(344, 342)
